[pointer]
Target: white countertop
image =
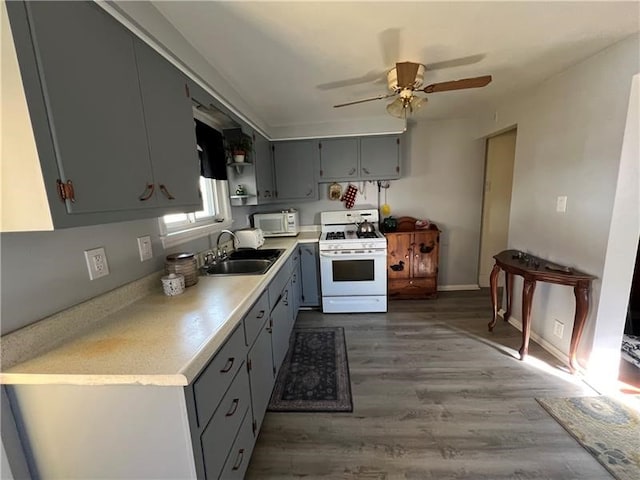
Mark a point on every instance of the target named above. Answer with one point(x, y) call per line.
point(157, 340)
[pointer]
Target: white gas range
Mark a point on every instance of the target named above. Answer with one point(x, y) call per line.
point(353, 267)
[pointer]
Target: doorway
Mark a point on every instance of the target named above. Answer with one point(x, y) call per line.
point(498, 181)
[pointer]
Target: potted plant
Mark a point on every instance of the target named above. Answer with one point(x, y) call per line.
point(240, 147)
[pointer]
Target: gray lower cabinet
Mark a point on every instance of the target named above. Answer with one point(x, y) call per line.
point(362, 158)
point(238, 459)
point(111, 118)
point(281, 325)
point(294, 166)
point(219, 434)
point(261, 373)
point(310, 275)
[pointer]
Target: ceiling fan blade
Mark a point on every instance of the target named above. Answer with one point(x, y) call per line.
point(406, 72)
point(371, 76)
point(475, 82)
point(456, 62)
point(379, 97)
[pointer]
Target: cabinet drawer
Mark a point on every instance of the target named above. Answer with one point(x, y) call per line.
point(240, 454)
point(413, 288)
point(255, 319)
point(221, 431)
point(214, 380)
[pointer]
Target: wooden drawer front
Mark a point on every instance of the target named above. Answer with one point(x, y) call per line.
point(413, 288)
point(240, 454)
point(255, 319)
point(279, 283)
point(218, 437)
point(214, 380)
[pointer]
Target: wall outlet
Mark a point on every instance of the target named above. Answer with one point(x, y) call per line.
point(144, 248)
point(561, 204)
point(558, 328)
point(96, 263)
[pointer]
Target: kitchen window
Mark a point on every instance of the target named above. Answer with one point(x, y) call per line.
point(216, 215)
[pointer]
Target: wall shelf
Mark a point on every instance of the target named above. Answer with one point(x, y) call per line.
point(239, 166)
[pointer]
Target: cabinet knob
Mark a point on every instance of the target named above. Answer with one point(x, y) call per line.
point(148, 191)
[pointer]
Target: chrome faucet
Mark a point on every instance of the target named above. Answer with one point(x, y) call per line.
point(223, 255)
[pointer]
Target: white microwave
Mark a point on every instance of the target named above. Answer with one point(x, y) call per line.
point(278, 224)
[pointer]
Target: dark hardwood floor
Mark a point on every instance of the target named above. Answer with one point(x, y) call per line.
point(436, 396)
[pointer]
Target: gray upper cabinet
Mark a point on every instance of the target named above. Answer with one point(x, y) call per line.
point(170, 132)
point(380, 157)
point(338, 159)
point(111, 118)
point(362, 158)
point(87, 67)
point(294, 164)
point(265, 184)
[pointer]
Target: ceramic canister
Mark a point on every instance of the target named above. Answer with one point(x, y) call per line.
point(173, 284)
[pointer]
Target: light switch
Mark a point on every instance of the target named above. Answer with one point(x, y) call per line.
point(561, 204)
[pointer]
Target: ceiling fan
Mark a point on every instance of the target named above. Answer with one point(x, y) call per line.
point(405, 80)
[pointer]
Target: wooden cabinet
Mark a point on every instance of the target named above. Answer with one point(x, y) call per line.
point(294, 167)
point(111, 118)
point(310, 275)
point(412, 262)
point(364, 158)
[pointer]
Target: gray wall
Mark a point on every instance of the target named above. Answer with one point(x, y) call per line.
point(442, 180)
point(45, 272)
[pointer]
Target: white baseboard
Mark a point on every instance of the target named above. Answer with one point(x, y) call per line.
point(553, 350)
point(451, 288)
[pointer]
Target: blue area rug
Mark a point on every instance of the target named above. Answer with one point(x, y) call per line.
point(608, 429)
point(314, 376)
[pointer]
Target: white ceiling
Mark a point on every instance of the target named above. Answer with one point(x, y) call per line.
point(291, 60)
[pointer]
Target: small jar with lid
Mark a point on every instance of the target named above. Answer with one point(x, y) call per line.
point(183, 264)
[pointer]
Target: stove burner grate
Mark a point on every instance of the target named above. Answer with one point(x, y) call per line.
point(368, 235)
point(335, 236)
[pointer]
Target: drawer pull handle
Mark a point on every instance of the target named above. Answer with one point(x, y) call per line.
point(234, 407)
point(260, 314)
point(228, 365)
point(285, 299)
point(239, 459)
point(166, 193)
point(148, 191)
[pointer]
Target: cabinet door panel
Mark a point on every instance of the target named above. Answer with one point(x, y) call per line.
point(263, 170)
point(294, 169)
point(398, 255)
point(261, 374)
point(90, 82)
point(170, 130)
point(380, 157)
point(339, 159)
point(310, 273)
point(280, 317)
point(425, 253)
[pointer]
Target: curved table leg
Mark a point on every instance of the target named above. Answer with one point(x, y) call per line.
point(527, 297)
point(581, 292)
point(509, 293)
point(493, 281)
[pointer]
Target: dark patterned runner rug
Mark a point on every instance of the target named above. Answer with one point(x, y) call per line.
point(314, 376)
point(608, 429)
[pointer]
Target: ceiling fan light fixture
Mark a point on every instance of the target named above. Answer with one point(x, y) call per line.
point(397, 108)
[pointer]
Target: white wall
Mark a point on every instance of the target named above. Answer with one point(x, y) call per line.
point(570, 131)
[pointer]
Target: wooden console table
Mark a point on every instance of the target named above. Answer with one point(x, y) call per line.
point(533, 269)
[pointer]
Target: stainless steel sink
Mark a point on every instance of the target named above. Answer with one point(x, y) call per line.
point(266, 254)
point(239, 267)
